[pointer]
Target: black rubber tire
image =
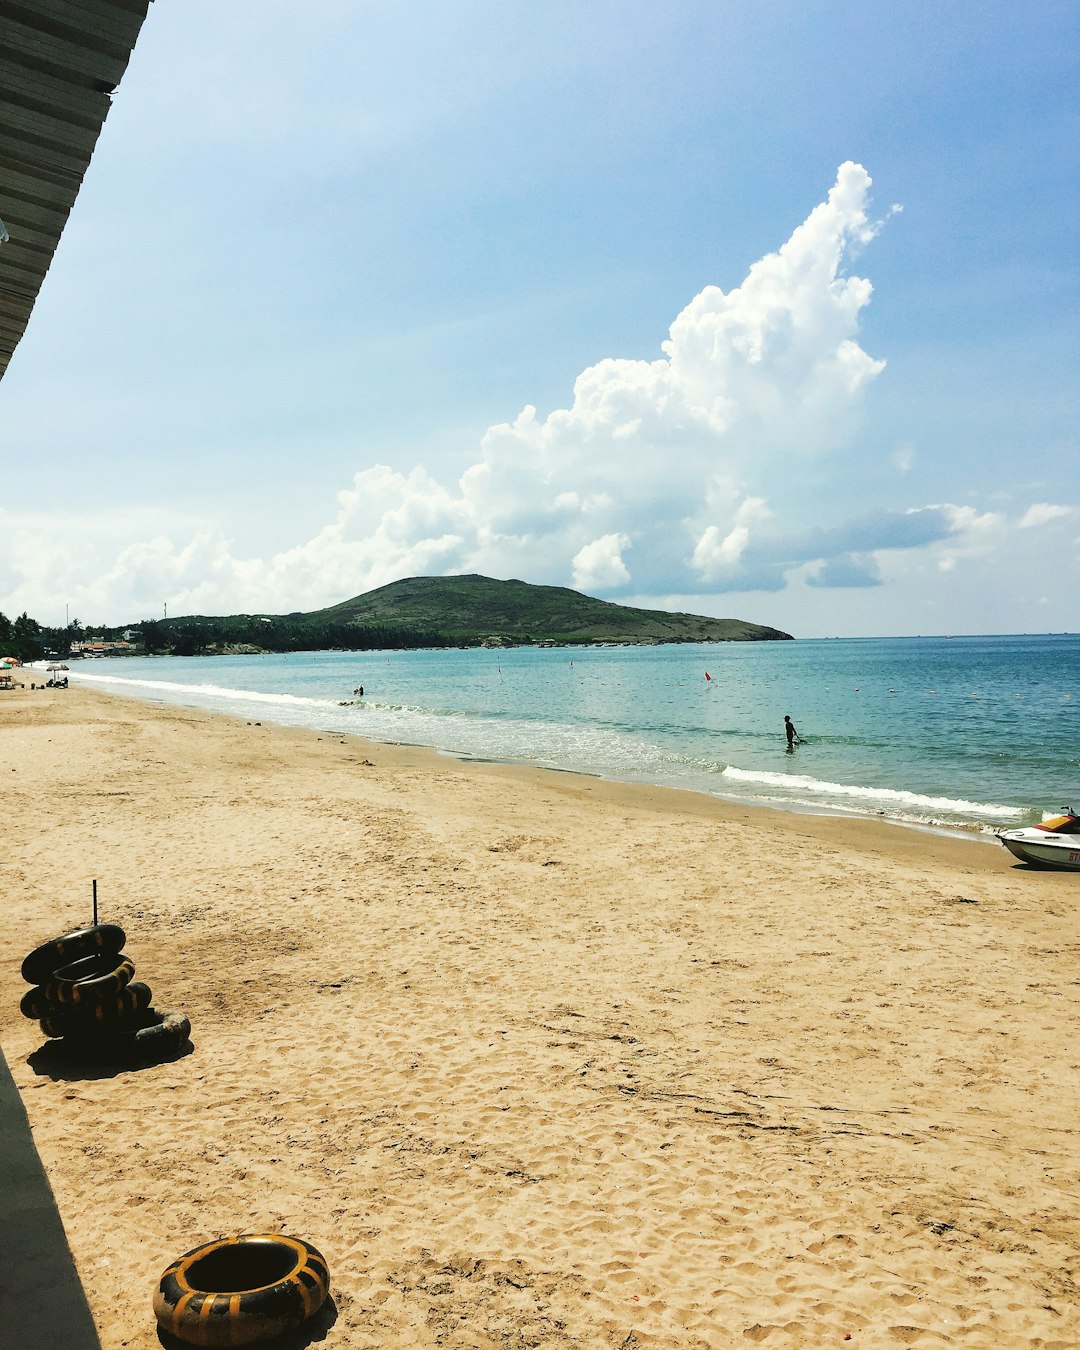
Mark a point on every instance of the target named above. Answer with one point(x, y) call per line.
point(90, 980)
point(44, 1001)
point(61, 951)
point(166, 1033)
point(242, 1289)
point(154, 1037)
point(119, 1012)
point(35, 1003)
point(54, 1026)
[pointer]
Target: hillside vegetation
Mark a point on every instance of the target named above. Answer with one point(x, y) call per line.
point(474, 608)
point(465, 611)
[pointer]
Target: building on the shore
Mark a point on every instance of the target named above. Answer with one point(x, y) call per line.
point(100, 648)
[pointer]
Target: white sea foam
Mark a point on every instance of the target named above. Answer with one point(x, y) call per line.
point(195, 692)
point(455, 731)
point(801, 786)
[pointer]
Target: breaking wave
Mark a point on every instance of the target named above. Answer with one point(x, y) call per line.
point(801, 787)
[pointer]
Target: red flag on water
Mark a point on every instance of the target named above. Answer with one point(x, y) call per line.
point(708, 676)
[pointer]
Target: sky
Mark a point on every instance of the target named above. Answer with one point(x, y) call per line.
point(760, 309)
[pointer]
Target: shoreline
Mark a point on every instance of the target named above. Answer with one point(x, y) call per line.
point(534, 1058)
point(973, 829)
point(973, 834)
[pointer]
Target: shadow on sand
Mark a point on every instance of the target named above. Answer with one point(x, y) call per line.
point(43, 1299)
point(63, 1064)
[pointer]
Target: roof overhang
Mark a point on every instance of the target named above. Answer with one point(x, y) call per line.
point(60, 61)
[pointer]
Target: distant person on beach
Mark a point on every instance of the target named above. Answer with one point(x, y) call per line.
point(793, 736)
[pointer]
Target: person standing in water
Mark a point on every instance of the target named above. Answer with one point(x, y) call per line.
point(793, 736)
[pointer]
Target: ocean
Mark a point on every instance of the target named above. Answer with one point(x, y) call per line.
point(977, 733)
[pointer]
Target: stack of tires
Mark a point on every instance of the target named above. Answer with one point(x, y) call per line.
point(84, 996)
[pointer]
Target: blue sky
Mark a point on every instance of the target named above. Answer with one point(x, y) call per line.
point(757, 309)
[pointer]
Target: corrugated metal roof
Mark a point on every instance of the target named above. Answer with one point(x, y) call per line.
point(60, 61)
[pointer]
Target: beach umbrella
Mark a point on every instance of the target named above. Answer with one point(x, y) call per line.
point(56, 665)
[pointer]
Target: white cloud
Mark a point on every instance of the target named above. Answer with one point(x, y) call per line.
point(599, 565)
point(658, 458)
point(1041, 513)
point(655, 475)
point(714, 552)
point(973, 533)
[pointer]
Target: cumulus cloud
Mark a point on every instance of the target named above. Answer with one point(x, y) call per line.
point(1041, 513)
point(599, 565)
point(648, 478)
point(971, 533)
point(656, 477)
point(716, 553)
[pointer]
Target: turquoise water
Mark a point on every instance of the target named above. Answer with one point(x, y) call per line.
point(978, 732)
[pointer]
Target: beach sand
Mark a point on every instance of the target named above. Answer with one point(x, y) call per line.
point(538, 1060)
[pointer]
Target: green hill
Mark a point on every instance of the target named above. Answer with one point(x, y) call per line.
point(466, 611)
point(472, 609)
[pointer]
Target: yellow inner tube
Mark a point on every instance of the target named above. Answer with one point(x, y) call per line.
point(241, 1289)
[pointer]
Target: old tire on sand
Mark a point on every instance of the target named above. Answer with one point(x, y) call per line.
point(120, 1012)
point(241, 1289)
point(61, 951)
point(35, 1003)
point(154, 1036)
point(93, 978)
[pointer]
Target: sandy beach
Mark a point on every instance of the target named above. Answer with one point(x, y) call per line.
point(538, 1060)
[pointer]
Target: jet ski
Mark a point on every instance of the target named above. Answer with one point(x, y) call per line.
point(1054, 842)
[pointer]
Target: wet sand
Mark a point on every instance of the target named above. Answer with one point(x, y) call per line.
point(538, 1060)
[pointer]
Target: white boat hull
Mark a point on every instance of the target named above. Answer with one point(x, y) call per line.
point(1043, 850)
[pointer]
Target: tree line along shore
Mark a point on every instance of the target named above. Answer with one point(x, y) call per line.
point(470, 611)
